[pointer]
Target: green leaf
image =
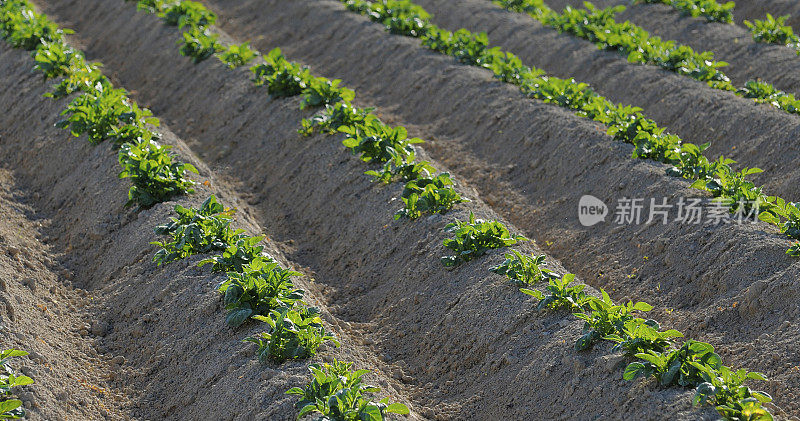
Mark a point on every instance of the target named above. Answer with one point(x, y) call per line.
point(237, 317)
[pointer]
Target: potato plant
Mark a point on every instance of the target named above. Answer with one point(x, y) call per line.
point(334, 116)
point(321, 91)
point(475, 237)
point(560, 293)
point(183, 13)
point(56, 59)
point(524, 270)
point(238, 55)
point(603, 318)
point(709, 9)
point(639, 336)
point(11, 408)
point(154, 173)
point(260, 287)
point(428, 195)
point(199, 44)
point(676, 366)
point(376, 141)
point(293, 333)
point(773, 30)
point(239, 252)
point(196, 231)
point(724, 388)
point(339, 394)
point(79, 76)
point(281, 77)
point(104, 113)
point(406, 171)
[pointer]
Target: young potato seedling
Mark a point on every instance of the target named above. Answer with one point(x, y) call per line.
point(774, 31)
point(339, 394)
point(238, 55)
point(155, 175)
point(604, 318)
point(710, 9)
point(560, 293)
point(260, 287)
point(334, 116)
point(474, 238)
point(677, 366)
point(199, 44)
point(428, 195)
point(281, 77)
point(238, 253)
point(293, 333)
point(639, 336)
point(375, 141)
point(406, 171)
point(524, 270)
point(725, 388)
point(196, 231)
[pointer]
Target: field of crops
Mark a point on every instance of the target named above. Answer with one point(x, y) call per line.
point(377, 209)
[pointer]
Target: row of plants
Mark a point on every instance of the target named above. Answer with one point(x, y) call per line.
point(709, 9)
point(256, 287)
point(99, 111)
point(625, 123)
point(651, 351)
point(598, 26)
point(11, 408)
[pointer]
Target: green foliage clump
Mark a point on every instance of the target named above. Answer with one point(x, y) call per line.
point(155, 176)
point(293, 333)
point(199, 44)
point(709, 9)
point(475, 237)
point(260, 287)
point(428, 195)
point(604, 318)
point(335, 116)
point(639, 336)
point(561, 292)
point(376, 141)
point(676, 366)
point(725, 388)
point(774, 31)
point(339, 394)
point(524, 270)
point(238, 55)
point(196, 231)
point(281, 77)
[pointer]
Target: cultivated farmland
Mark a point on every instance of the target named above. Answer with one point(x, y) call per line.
point(394, 209)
